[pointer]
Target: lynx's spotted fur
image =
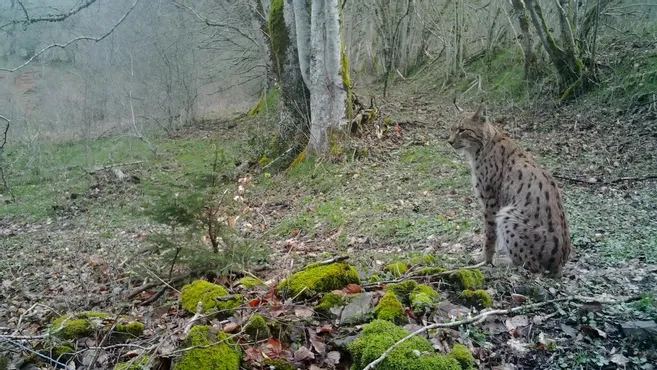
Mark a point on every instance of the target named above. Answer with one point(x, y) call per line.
point(523, 207)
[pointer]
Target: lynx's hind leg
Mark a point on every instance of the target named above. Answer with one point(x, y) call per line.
point(515, 236)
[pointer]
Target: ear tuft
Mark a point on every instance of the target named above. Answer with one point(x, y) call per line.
point(482, 113)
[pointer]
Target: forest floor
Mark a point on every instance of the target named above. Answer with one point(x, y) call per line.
point(70, 241)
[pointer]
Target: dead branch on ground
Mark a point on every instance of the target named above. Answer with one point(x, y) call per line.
point(481, 317)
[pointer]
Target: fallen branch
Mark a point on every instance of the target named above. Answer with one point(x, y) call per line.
point(106, 167)
point(415, 276)
point(196, 317)
point(331, 261)
point(610, 182)
point(481, 317)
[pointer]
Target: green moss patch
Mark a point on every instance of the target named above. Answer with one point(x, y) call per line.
point(402, 290)
point(208, 294)
point(257, 328)
point(214, 351)
point(74, 326)
point(250, 282)
point(423, 298)
point(468, 279)
point(279, 364)
point(390, 309)
point(477, 298)
point(328, 301)
point(379, 335)
point(138, 364)
point(396, 269)
point(463, 355)
point(318, 279)
point(428, 271)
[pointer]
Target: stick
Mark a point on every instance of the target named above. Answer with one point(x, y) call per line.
point(615, 181)
point(481, 317)
point(98, 169)
point(197, 315)
point(376, 285)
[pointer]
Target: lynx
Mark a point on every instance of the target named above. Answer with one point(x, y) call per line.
point(523, 207)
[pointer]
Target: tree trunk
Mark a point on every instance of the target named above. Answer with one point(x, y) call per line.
point(531, 62)
point(313, 72)
point(565, 59)
point(294, 108)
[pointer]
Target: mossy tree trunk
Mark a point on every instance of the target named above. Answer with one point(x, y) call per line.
point(313, 67)
point(531, 61)
point(565, 57)
point(294, 102)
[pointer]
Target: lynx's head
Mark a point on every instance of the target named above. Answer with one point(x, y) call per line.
point(471, 131)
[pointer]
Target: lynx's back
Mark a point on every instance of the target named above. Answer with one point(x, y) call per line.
point(523, 207)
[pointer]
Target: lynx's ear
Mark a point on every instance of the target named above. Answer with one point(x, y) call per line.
point(482, 114)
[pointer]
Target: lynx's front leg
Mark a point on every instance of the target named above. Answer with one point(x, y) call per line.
point(489, 241)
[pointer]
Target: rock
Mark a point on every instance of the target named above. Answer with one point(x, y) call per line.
point(354, 312)
point(640, 330)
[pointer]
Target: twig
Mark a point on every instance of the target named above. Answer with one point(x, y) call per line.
point(36, 353)
point(72, 41)
point(106, 167)
point(196, 317)
point(278, 158)
point(615, 181)
point(331, 261)
point(413, 276)
point(109, 332)
point(154, 297)
point(481, 317)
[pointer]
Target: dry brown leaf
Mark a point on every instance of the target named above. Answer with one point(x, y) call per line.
point(317, 342)
point(303, 354)
point(303, 312)
point(230, 327)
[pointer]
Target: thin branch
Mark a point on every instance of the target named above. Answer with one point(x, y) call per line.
point(51, 17)
point(481, 317)
point(214, 23)
point(74, 40)
point(614, 181)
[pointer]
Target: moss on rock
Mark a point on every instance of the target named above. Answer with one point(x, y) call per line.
point(250, 282)
point(477, 298)
point(138, 364)
point(463, 355)
point(427, 271)
point(328, 301)
point(397, 269)
point(379, 335)
point(257, 328)
point(134, 329)
point(208, 294)
point(214, 350)
point(390, 309)
point(403, 289)
point(318, 279)
point(468, 279)
point(423, 298)
point(74, 326)
point(374, 279)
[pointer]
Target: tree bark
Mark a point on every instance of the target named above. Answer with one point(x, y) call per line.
point(565, 59)
point(294, 107)
point(531, 62)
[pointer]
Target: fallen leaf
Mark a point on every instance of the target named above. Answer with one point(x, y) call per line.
point(514, 322)
point(317, 342)
point(328, 328)
point(255, 302)
point(230, 327)
point(332, 358)
point(303, 354)
point(593, 332)
point(519, 298)
point(303, 312)
point(619, 359)
point(352, 289)
point(274, 345)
